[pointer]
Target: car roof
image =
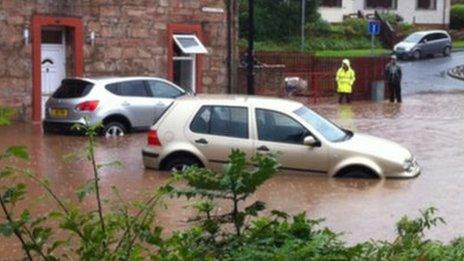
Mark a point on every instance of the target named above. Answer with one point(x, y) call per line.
point(112, 79)
point(430, 32)
point(241, 100)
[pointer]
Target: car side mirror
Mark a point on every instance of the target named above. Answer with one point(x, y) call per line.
point(311, 141)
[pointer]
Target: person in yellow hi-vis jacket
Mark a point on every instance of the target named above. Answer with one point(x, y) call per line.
point(345, 79)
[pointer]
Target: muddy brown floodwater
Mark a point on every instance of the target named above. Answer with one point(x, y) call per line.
point(430, 125)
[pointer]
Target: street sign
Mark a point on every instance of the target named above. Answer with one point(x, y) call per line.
point(374, 27)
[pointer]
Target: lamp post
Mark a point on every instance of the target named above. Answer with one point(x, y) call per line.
point(251, 59)
point(303, 18)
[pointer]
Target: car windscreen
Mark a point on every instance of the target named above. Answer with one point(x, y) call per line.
point(413, 38)
point(326, 128)
point(73, 89)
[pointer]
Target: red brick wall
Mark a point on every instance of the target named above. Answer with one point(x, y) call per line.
point(131, 39)
point(269, 80)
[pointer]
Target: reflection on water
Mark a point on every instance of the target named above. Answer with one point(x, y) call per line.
point(430, 125)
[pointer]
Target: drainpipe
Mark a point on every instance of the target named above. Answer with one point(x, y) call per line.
point(251, 60)
point(229, 47)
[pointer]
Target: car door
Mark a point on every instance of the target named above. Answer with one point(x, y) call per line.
point(432, 43)
point(281, 134)
point(216, 130)
point(163, 94)
point(442, 42)
point(138, 103)
point(435, 43)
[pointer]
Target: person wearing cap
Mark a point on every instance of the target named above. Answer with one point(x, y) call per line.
point(393, 76)
point(345, 79)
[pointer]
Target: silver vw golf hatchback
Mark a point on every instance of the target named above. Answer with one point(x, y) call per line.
point(122, 104)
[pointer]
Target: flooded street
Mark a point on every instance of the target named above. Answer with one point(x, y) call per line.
point(430, 125)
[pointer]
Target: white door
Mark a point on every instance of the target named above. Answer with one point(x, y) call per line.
point(53, 70)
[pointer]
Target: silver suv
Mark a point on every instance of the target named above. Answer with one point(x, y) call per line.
point(424, 43)
point(121, 104)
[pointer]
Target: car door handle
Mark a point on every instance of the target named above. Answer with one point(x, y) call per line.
point(201, 141)
point(263, 148)
point(125, 103)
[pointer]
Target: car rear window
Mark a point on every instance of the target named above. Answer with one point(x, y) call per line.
point(129, 88)
point(73, 89)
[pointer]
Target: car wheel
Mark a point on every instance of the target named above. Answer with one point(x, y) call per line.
point(361, 173)
point(114, 129)
point(416, 55)
point(180, 164)
point(447, 51)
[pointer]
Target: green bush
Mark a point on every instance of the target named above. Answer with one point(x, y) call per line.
point(354, 28)
point(405, 28)
point(392, 18)
point(318, 28)
point(277, 19)
point(457, 16)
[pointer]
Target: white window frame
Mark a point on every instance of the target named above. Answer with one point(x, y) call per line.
point(193, 59)
point(199, 49)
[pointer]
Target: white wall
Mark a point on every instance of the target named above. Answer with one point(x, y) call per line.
point(335, 14)
point(406, 8)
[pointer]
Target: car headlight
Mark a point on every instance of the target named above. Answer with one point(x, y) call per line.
point(409, 164)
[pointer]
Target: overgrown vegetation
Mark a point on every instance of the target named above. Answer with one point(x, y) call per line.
point(457, 16)
point(238, 230)
point(278, 25)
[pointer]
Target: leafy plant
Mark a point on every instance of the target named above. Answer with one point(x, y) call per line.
point(119, 233)
point(457, 16)
point(236, 183)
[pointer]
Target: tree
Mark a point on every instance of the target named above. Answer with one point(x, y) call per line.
point(277, 20)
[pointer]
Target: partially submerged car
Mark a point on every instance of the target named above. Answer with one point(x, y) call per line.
point(122, 104)
point(203, 130)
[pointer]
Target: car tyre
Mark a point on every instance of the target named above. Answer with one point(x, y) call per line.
point(447, 51)
point(114, 129)
point(360, 173)
point(416, 55)
point(177, 164)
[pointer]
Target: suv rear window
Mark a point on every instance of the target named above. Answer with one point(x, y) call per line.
point(221, 121)
point(129, 88)
point(73, 89)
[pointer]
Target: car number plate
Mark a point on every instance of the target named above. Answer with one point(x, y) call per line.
point(61, 113)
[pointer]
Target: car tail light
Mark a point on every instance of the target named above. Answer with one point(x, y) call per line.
point(153, 138)
point(87, 106)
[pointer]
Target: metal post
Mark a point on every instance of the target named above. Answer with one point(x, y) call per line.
point(372, 44)
point(303, 18)
point(251, 59)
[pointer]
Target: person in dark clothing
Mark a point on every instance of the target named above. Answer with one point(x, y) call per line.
point(393, 76)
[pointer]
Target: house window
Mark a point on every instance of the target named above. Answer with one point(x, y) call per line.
point(386, 4)
point(186, 47)
point(427, 4)
point(331, 3)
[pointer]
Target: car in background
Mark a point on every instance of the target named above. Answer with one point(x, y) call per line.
point(202, 130)
point(121, 104)
point(423, 44)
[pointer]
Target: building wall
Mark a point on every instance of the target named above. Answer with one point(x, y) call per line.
point(335, 14)
point(406, 8)
point(131, 39)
